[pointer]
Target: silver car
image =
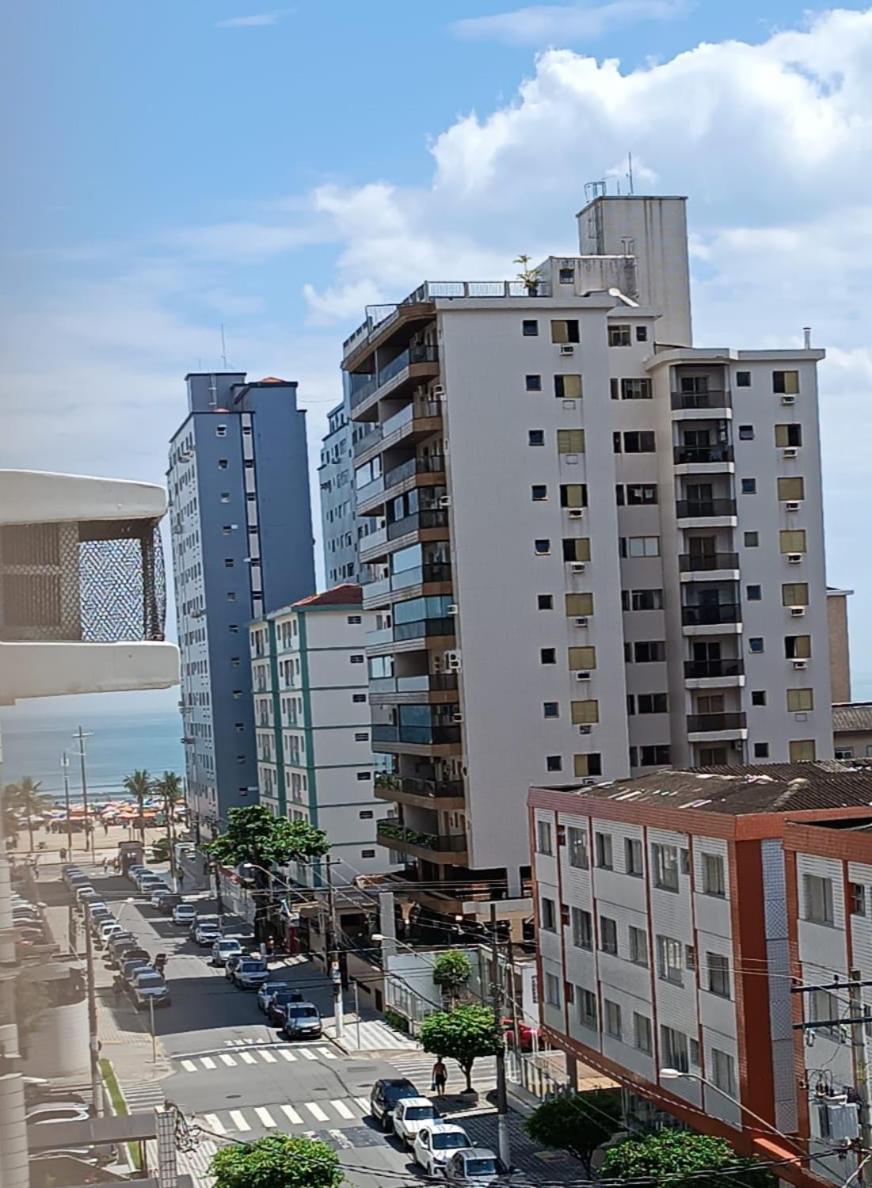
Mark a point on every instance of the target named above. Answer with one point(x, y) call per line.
point(223, 948)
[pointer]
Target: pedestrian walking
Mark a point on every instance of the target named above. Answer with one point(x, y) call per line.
point(105, 864)
point(181, 879)
point(63, 854)
point(117, 986)
point(439, 1077)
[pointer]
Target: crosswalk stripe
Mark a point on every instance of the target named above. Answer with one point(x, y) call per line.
point(214, 1123)
point(292, 1115)
point(208, 1062)
point(326, 1053)
point(227, 1059)
point(342, 1109)
point(289, 1056)
point(189, 1066)
point(304, 1052)
point(267, 1056)
point(264, 1115)
point(363, 1102)
point(239, 1120)
point(315, 1110)
point(247, 1057)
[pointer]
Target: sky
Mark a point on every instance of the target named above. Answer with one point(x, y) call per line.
point(178, 165)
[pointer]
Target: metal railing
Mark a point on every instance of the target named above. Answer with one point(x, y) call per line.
point(433, 682)
point(700, 723)
point(422, 628)
point(713, 398)
point(689, 455)
point(432, 789)
point(451, 843)
point(701, 616)
point(432, 464)
point(699, 669)
point(435, 517)
point(706, 562)
point(686, 509)
point(364, 443)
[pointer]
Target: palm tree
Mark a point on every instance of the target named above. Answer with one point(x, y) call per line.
point(169, 789)
point(139, 785)
point(25, 800)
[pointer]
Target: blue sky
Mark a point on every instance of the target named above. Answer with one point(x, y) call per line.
point(177, 164)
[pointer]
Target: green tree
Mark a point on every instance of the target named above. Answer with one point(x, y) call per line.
point(25, 800)
point(169, 789)
point(464, 1034)
point(277, 1161)
point(451, 972)
point(682, 1159)
point(578, 1123)
point(139, 786)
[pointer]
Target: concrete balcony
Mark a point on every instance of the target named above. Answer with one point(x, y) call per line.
point(718, 513)
point(431, 740)
point(441, 848)
point(420, 793)
point(700, 405)
point(714, 674)
point(430, 688)
point(708, 567)
point(418, 362)
point(416, 421)
point(716, 459)
point(716, 727)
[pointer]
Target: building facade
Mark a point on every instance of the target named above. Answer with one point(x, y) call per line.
point(669, 938)
point(840, 647)
point(508, 436)
point(336, 484)
point(312, 727)
point(242, 545)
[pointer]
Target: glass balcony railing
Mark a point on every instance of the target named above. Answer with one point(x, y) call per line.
point(432, 682)
point(422, 628)
point(701, 669)
point(428, 517)
point(415, 735)
point(687, 455)
point(702, 723)
point(688, 509)
point(706, 562)
point(713, 398)
point(700, 616)
point(433, 464)
point(411, 786)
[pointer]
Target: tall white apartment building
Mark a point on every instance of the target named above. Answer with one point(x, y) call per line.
point(312, 727)
point(594, 549)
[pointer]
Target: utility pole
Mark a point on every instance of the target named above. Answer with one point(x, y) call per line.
point(513, 1007)
point(505, 1150)
point(93, 1040)
point(332, 954)
point(65, 768)
point(89, 830)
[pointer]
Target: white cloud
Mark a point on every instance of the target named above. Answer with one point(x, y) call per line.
point(563, 24)
point(258, 20)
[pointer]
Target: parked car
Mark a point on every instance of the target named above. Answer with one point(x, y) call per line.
point(116, 944)
point(302, 1021)
point(206, 932)
point(166, 901)
point(384, 1096)
point(159, 890)
point(83, 892)
point(147, 986)
point(57, 1111)
point(132, 966)
point(224, 947)
point(108, 929)
point(410, 1114)
point(473, 1165)
point(279, 1002)
point(267, 990)
point(250, 973)
point(231, 963)
point(435, 1144)
point(184, 913)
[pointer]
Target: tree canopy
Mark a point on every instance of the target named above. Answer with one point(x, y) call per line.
point(464, 1034)
point(452, 970)
point(277, 1161)
point(682, 1159)
point(254, 835)
point(578, 1123)
point(139, 785)
point(21, 801)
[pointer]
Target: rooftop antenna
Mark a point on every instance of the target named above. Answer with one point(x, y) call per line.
point(630, 173)
point(223, 348)
point(806, 334)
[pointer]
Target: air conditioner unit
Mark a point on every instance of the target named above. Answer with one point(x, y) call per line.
point(452, 661)
point(580, 621)
point(577, 566)
point(800, 664)
point(792, 505)
point(457, 717)
point(788, 400)
point(794, 558)
point(584, 729)
point(797, 612)
point(576, 513)
point(582, 675)
point(587, 781)
point(437, 391)
point(453, 608)
point(445, 501)
point(790, 452)
point(566, 348)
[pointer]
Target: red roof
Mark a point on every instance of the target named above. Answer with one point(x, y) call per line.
point(271, 379)
point(348, 594)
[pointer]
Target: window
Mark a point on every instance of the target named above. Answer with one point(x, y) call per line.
point(752, 540)
point(567, 387)
point(638, 946)
point(713, 879)
point(636, 389)
point(818, 897)
point(788, 435)
point(543, 837)
point(802, 750)
point(566, 276)
point(758, 696)
point(603, 848)
point(361, 736)
point(673, 1049)
point(823, 1006)
point(545, 602)
point(358, 698)
point(582, 928)
point(791, 489)
point(222, 463)
point(749, 486)
point(797, 647)
point(800, 700)
point(533, 383)
point(641, 494)
point(552, 990)
point(229, 563)
point(367, 853)
point(573, 494)
point(785, 382)
point(649, 651)
point(633, 864)
point(547, 915)
point(639, 600)
point(792, 540)
point(353, 619)
point(550, 709)
point(220, 430)
point(582, 658)
point(576, 548)
point(570, 441)
point(538, 492)
point(590, 764)
point(564, 330)
point(652, 703)
point(577, 847)
point(794, 594)
point(843, 753)
point(608, 940)
point(723, 1072)
point(639, 442)
point(743, 379)
point(642, 546)
point(642, 1038)
point(619, 336)
point(718, 970)
point(584, 712)
point(585, 1001)
point(578, 604)
point(553, 763)
point(542, 546)
point(536, 437)
point(356, 658)
point(529, 327)
point(746, 433)
point(547, 656)
point(612, 1012)
point(664, 860)
point(755, 644)
point(669, 960)
point(857, 894)
point(753, 593)
point(364, 775)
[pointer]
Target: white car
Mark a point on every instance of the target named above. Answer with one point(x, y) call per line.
point(207, 933)
point(86, 891)
point(223, 948)
point(109, 928)
point(184, 913)
point(149, 985)
point(435, 1144)
point(410, 1115)
point(474, 1165)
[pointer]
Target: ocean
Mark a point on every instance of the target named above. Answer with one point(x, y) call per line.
point(118, 744)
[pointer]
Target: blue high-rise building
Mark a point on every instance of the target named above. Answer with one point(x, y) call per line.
point(242, 546)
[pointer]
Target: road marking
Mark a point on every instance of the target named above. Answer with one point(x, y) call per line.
point(264, 1115)
point(267, 1056)
point(238, 1119)
point(363, 1102)
point(326, 1053)
point(247, 1057)
point(189, 1066)
point(292, 1115)
point(342, 1109)
point(306, 1054)
point(289, 1056)
point(214, 1123)
point(208, 1062)
point(227, 1059)
point(341, 1139)
point(315, 1110)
